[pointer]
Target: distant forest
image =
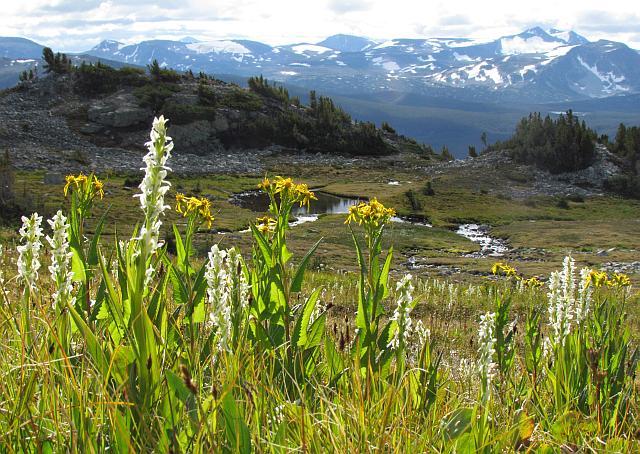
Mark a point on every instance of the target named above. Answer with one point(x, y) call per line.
point(561, 145)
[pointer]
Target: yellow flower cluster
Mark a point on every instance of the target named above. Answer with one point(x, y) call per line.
point(372, 213)
point(201, 206)
point(87, 184)
point(288, 190)
point(600, 279)
point(532, 282)
point(265, 224)
point(502, 269)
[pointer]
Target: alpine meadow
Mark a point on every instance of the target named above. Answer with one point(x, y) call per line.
point(319, 227)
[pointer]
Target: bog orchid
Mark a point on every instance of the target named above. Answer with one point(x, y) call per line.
point(61, 255)
point(153, 188)
point(486, 351)
point(402, 313)
point(29, 249)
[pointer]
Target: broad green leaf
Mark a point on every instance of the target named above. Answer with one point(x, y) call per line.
point(93, 258)
point(299, 337)
point(296, 284)
point(98, 355)
point(316, 331)
point(264, 246)
point(457, 423)
point(77, 265)
point(180, 252)
point(237, 431)
point(177, 386)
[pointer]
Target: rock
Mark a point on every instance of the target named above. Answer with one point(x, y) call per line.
point(120, 110)
point(197, 137)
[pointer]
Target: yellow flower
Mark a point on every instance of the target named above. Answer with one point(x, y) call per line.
point(198, 206)
point(283, 184)
point(79, 181)
point(303, 195)
point(265, 184)
point(619, 280)
point(597, 278)
point(372, 214)
point(532, 282)
point(500, 268)
point(265, 224)
point(98, 186)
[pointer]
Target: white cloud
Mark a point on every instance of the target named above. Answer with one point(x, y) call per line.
point(74, 25)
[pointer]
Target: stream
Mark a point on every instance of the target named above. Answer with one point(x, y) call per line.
point(332, 204)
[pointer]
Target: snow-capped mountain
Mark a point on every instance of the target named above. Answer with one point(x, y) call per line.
point(542, 65)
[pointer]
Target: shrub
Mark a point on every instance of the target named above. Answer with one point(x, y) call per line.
point(428, 189)
point(154, 95)
point(414, 201)
point(240, 99)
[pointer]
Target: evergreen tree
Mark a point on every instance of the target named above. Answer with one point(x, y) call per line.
point(49, 60)
point(472, 152)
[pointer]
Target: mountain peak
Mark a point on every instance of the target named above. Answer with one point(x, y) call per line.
point(189, 40)
point(346, 43)
point(108, 45)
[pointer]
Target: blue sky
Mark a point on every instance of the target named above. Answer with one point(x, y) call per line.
point(76, 25)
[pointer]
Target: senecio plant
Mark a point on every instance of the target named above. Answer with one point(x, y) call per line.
point(131, 347)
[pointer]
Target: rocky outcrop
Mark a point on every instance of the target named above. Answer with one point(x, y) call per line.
point(120, 110)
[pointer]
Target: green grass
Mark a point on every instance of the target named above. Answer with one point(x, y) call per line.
point(225, 354)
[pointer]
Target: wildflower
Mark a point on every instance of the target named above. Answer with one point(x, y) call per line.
point(265, 224)
point(372, 214)
point(402, 313)
point(29, 250)
point(560, 312)
point(597, 278)
point(154, 187)
point(619, 280)
point(193, 205)
point(218, 295)
point(289, 191)
point(585, 292)
point(87, 187)
point(486, 351)
point(236, 280)
point(60, 267)
point(500, 268)
point(532, 282)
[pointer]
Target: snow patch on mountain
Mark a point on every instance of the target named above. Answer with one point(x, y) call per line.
point(462, 57)
point(386, 44)
point(303, 48)
point(533, 45)
point(610, 79)
point(217, 47)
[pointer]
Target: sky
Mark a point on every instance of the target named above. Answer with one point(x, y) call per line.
point(78, 25)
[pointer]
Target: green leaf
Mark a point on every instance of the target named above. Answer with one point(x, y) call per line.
point(180, 252)
point(263, 245)
point(299, 337)
point(77, 265)
point(458, 423)
point(296, 284)
point(177, 386)
point(100, 358)
point(316, 331)
point(383, 281)
point(237, 431)
point(93, 258)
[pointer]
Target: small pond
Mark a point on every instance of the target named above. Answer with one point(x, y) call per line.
point(326, 204)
